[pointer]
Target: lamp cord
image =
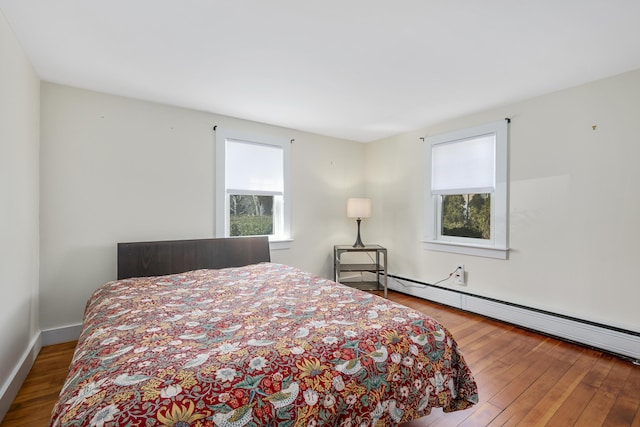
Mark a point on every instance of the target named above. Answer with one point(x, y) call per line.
point(413, 286)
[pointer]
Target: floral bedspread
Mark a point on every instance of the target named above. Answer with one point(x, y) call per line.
point(262, 345)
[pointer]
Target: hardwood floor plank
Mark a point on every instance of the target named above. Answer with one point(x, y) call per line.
point(530, 372)
point(524, 404)
point(632, 390)
point(598, 409)
point(485, 357)
point(571, 410)
point(482, 416)
point(557, 393)
point(626, 402)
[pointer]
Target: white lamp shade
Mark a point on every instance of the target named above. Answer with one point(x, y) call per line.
point(358, 208)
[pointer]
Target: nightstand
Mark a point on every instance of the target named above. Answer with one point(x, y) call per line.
point(368, 259)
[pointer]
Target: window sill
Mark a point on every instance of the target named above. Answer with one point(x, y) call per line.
point(474, 250)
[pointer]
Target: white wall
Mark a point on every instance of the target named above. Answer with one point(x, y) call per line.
point(19, 142)
point(116, 169)
point(574, 205)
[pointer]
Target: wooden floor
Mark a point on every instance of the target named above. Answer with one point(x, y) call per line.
point(34, 402)
point(524, 379)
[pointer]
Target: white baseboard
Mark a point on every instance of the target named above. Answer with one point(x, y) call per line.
point(611, 340)
point(12, 385)
point(60, 335)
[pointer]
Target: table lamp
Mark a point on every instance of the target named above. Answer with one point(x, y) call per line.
point(358, 208)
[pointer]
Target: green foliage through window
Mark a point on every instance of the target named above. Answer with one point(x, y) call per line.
point(467, 215)
point(250, 215)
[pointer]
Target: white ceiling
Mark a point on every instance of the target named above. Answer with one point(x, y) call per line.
point(354, 69)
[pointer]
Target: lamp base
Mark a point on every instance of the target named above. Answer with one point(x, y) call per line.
point(358, 243)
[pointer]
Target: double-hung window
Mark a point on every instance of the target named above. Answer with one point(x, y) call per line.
point(252, 188)
point(466, 191)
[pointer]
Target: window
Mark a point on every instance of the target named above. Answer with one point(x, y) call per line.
point(252, 188)
point(466, 191)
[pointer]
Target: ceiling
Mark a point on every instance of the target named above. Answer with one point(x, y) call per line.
point(353, 69)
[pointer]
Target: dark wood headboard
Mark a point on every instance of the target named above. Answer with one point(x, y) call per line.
point(141, 259)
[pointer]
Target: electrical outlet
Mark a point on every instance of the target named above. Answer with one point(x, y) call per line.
point(458, 275)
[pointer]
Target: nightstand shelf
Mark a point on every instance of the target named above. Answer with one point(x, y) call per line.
point(374, 263)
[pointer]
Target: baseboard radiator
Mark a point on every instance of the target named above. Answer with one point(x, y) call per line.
point(610, 339)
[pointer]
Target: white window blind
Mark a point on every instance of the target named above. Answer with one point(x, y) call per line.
point(254, 168)
point(464, 166)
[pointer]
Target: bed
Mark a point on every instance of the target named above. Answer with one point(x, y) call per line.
point(214, 334)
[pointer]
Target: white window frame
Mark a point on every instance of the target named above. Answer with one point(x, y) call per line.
point(281, 241)
point(497, 245)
